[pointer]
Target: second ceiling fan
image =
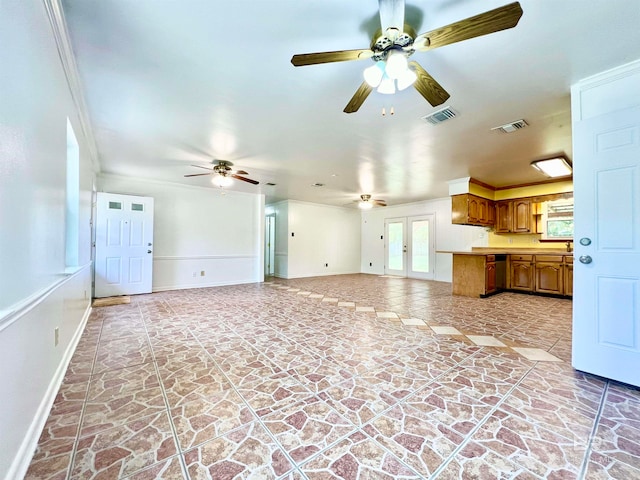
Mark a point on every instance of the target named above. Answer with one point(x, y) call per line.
point(396, 42)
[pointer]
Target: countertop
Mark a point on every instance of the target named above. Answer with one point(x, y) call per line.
point(510, 251)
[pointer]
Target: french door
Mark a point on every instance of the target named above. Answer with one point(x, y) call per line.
point(410, 246)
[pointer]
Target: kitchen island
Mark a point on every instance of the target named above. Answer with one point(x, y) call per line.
point(485, 271)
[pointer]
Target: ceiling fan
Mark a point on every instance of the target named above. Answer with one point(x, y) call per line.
point(397, 41)
point(223, 173)
point(367, 203)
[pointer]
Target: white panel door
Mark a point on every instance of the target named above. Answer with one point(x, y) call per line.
point(124, 245)
point(395, 246)
point(606, 294)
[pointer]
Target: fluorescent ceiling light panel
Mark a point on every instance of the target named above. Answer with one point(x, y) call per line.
point(553, 167)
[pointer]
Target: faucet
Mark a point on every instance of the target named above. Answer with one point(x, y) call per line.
point(569, 249)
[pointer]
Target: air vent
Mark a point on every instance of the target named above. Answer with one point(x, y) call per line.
point(511, 127)
point(440, 116)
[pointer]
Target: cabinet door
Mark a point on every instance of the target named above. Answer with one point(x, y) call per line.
point(474, 209)
point(491, 213)
point(521, 276)
point(490, 281)
point(521, 216)
point(568, 279)
point(503, 217)
point(549, 277)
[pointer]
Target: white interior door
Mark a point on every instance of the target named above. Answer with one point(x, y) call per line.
point(269, 247)
point(606, 301)
point(395, 247)
point(124, 245)
point(421, 247)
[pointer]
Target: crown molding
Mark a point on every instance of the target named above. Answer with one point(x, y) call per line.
point(68, 61)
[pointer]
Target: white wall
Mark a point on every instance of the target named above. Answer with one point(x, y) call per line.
point(449, 237)
point(199, 229)
point(325, 241)
point(36, 295)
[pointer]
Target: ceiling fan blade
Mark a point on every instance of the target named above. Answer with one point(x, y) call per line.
point(428, 87)
point(391, 14)
point(241, 172)
point(198, 174)
point(380, 203)
point(200, 166)
point(303, 59)
point(492, 21)
point(358, 98)
point(248, 180)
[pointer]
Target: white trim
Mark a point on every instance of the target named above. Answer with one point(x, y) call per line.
point(17, 310)
point(203, 257)
point(22, 460)
point(68, 62)
point(203, 285)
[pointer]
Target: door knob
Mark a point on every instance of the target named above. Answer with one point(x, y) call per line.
point(585, 259)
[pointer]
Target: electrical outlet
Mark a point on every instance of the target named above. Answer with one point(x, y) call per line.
point(56, 336)
point(202, 273)
point(326, 264)
point(371, 264)
point(510, 240)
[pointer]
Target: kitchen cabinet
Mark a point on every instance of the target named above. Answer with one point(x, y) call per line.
point(568, 276)
point(521, 272)
point(549, 274)
point(478, 275)
point(469, 209)
point(514, 216)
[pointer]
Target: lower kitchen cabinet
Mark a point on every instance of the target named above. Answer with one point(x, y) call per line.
point(568, 276)
point(549, 274)
point(521, 272)
point(478, 275)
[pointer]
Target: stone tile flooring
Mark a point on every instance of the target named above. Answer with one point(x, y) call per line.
point(345, 377)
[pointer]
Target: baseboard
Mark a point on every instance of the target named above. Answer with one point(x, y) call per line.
point(166, 288)
point(23, 458)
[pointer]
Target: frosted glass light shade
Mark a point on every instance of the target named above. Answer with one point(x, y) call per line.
point(387, 86)
point(396, 64)
point(373, 74)
point(220, 181)
point(406, 79)
point(365, 205)
point(553, 167)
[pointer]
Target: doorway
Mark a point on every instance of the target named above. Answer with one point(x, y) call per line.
point(124, 245)
point(410, 246)
point(270, 245)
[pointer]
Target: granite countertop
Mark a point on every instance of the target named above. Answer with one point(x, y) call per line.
point(510, 251)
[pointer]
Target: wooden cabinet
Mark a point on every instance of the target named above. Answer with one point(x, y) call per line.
point(550, 272)
point(478, 275)
point(514, 216)
point(468, 209)
point(568, 276)
point(521, 272)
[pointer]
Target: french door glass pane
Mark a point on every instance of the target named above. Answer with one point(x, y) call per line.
point(420, 246)
point(396, 243)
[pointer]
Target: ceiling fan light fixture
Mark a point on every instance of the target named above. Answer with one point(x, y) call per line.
point(406, 79)
point(387, 86)
point(222, 181)
point(397, 64)
point(365, 205)
point(553, 167)
point(373, 74)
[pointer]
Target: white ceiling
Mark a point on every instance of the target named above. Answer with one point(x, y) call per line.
point(175, 83)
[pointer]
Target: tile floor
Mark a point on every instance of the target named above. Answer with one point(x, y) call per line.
point(346, 377)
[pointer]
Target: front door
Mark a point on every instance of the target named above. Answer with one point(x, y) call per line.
point(606, 296)
point(410, 247)
point(124, 245)
point(395, 262)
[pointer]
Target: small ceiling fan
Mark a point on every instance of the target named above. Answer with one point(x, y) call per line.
point(397, 41)
point(366, 203)
point(223, 173)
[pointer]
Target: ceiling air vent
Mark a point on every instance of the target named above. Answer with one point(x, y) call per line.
point(440, 116)
point(511, 127)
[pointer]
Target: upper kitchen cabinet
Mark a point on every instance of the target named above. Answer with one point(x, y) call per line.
point(468, 209)
point(515, 216)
